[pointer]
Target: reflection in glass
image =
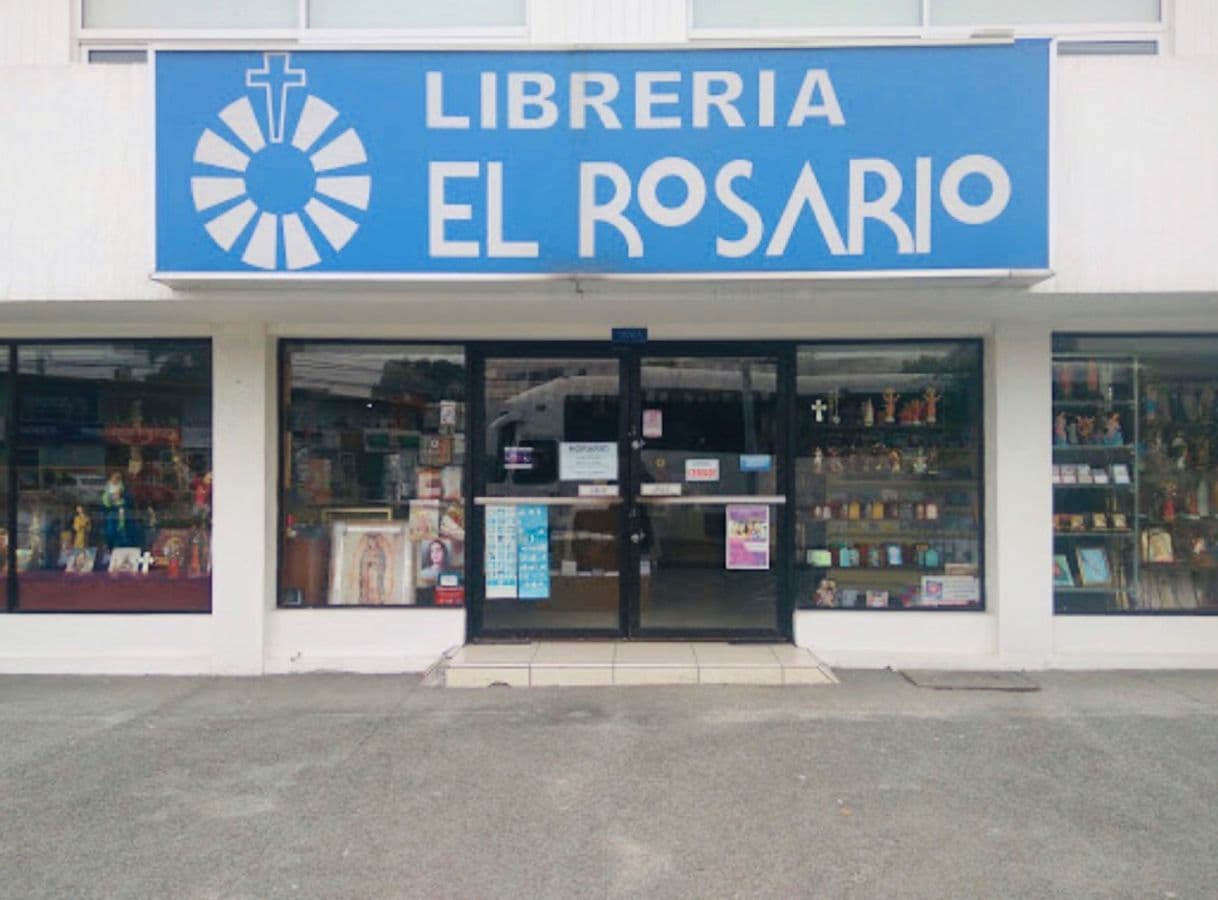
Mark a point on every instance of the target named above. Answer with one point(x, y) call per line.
point(373, 477)
point(551, 434)
point(709, 427)
point(114, 476)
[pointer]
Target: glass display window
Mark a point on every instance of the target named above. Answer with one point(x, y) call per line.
point(888, 476)
point(112, 451)
point(373, 490)
point(1135, 481)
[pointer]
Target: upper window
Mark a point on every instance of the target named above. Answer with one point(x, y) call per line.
point(712, 18)
point(108, 23)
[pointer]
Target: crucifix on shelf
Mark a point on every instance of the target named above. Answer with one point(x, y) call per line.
point(818, 409)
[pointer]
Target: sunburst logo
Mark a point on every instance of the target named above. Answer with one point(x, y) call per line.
point(277, 202)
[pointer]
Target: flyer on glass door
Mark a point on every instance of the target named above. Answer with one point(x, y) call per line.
point(748, 537)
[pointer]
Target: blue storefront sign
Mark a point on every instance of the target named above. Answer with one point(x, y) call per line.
point(714, 161)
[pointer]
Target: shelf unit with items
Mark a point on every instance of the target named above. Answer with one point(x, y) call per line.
point(1095, 483)
point(888, 486)
point(1178, 489)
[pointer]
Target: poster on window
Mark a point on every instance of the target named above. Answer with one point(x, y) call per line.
point(533, 552)
point(500, 553)
point(748, 537)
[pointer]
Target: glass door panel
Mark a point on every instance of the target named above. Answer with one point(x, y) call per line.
point(551, 509)
point(707, 508)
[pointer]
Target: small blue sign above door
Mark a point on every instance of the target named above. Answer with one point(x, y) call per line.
point(708, 161)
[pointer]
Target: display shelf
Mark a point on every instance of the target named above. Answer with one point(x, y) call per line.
point(1097, 403)
point(1094, 448)
point(906, 481)
point(869, 570)
point(1093, 534)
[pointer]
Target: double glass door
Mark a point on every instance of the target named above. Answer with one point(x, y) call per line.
point(629, 492)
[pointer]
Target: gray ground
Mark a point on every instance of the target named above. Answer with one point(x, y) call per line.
point(341, 786)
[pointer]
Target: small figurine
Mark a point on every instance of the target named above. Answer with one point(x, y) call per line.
point(202, 496)
point(1093, 378)
point(1151, 406)
point(932, 398)
point(868, 412)
point(818, 461)
point(894, 461)
point(1198, 548)
point(116, 503)
point(1113, 435)
point(1065, 379)
point(918, 464)
point(81, 523)
point(1060, 437)
point(835, 461)
point(1179, 452)
point(1086, 429)
point(826, 593)
point(1169, 505)
point(911, 412)
point(890, 406)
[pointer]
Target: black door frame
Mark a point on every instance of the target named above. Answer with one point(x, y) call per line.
point(630, 416)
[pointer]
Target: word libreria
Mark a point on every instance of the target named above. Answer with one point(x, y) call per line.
point(676, 100)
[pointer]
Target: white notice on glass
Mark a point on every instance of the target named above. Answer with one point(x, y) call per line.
point(587, 461)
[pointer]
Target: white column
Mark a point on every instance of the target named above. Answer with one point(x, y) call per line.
point(1019, 501)
point(243, 496)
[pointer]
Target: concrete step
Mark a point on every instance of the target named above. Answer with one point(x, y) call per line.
point(589, 663)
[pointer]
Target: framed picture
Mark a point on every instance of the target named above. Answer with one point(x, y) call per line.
point(349, 513)
point(1062, 576)
point(1120, 522)
point(438, 558)
point(124, 561)
point(1078, 523)
point(1094, 569)
point(80, 561)
point(1157, 546)
point(1099, 522)
point(1120, 473)
point(370, 564)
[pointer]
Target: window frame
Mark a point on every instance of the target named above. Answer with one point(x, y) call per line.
point(300, 35)
point(283, 347)
point(10, 505)
point(925, 31)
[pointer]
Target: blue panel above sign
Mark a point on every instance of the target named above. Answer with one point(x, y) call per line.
point(593, 162)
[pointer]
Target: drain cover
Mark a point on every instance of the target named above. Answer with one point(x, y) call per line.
point(937, 680)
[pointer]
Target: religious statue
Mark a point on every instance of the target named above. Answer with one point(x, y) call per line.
point(117, 503)
point(868, 412)
point(1113, 435)
point(1060, 435)
point(202, 497)
point(818, 461)
point(1086, 428)
point(932, 398)
point(826, 593)
point(81, 523)
point(890, 406)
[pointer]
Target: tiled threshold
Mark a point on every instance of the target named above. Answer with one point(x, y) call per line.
point(606, 663)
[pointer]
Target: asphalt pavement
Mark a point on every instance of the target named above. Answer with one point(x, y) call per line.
point(329, 786)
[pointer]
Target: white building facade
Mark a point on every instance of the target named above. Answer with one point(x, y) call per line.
point(1119, 320)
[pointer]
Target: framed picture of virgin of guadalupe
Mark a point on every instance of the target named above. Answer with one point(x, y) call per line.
point(371, 564)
